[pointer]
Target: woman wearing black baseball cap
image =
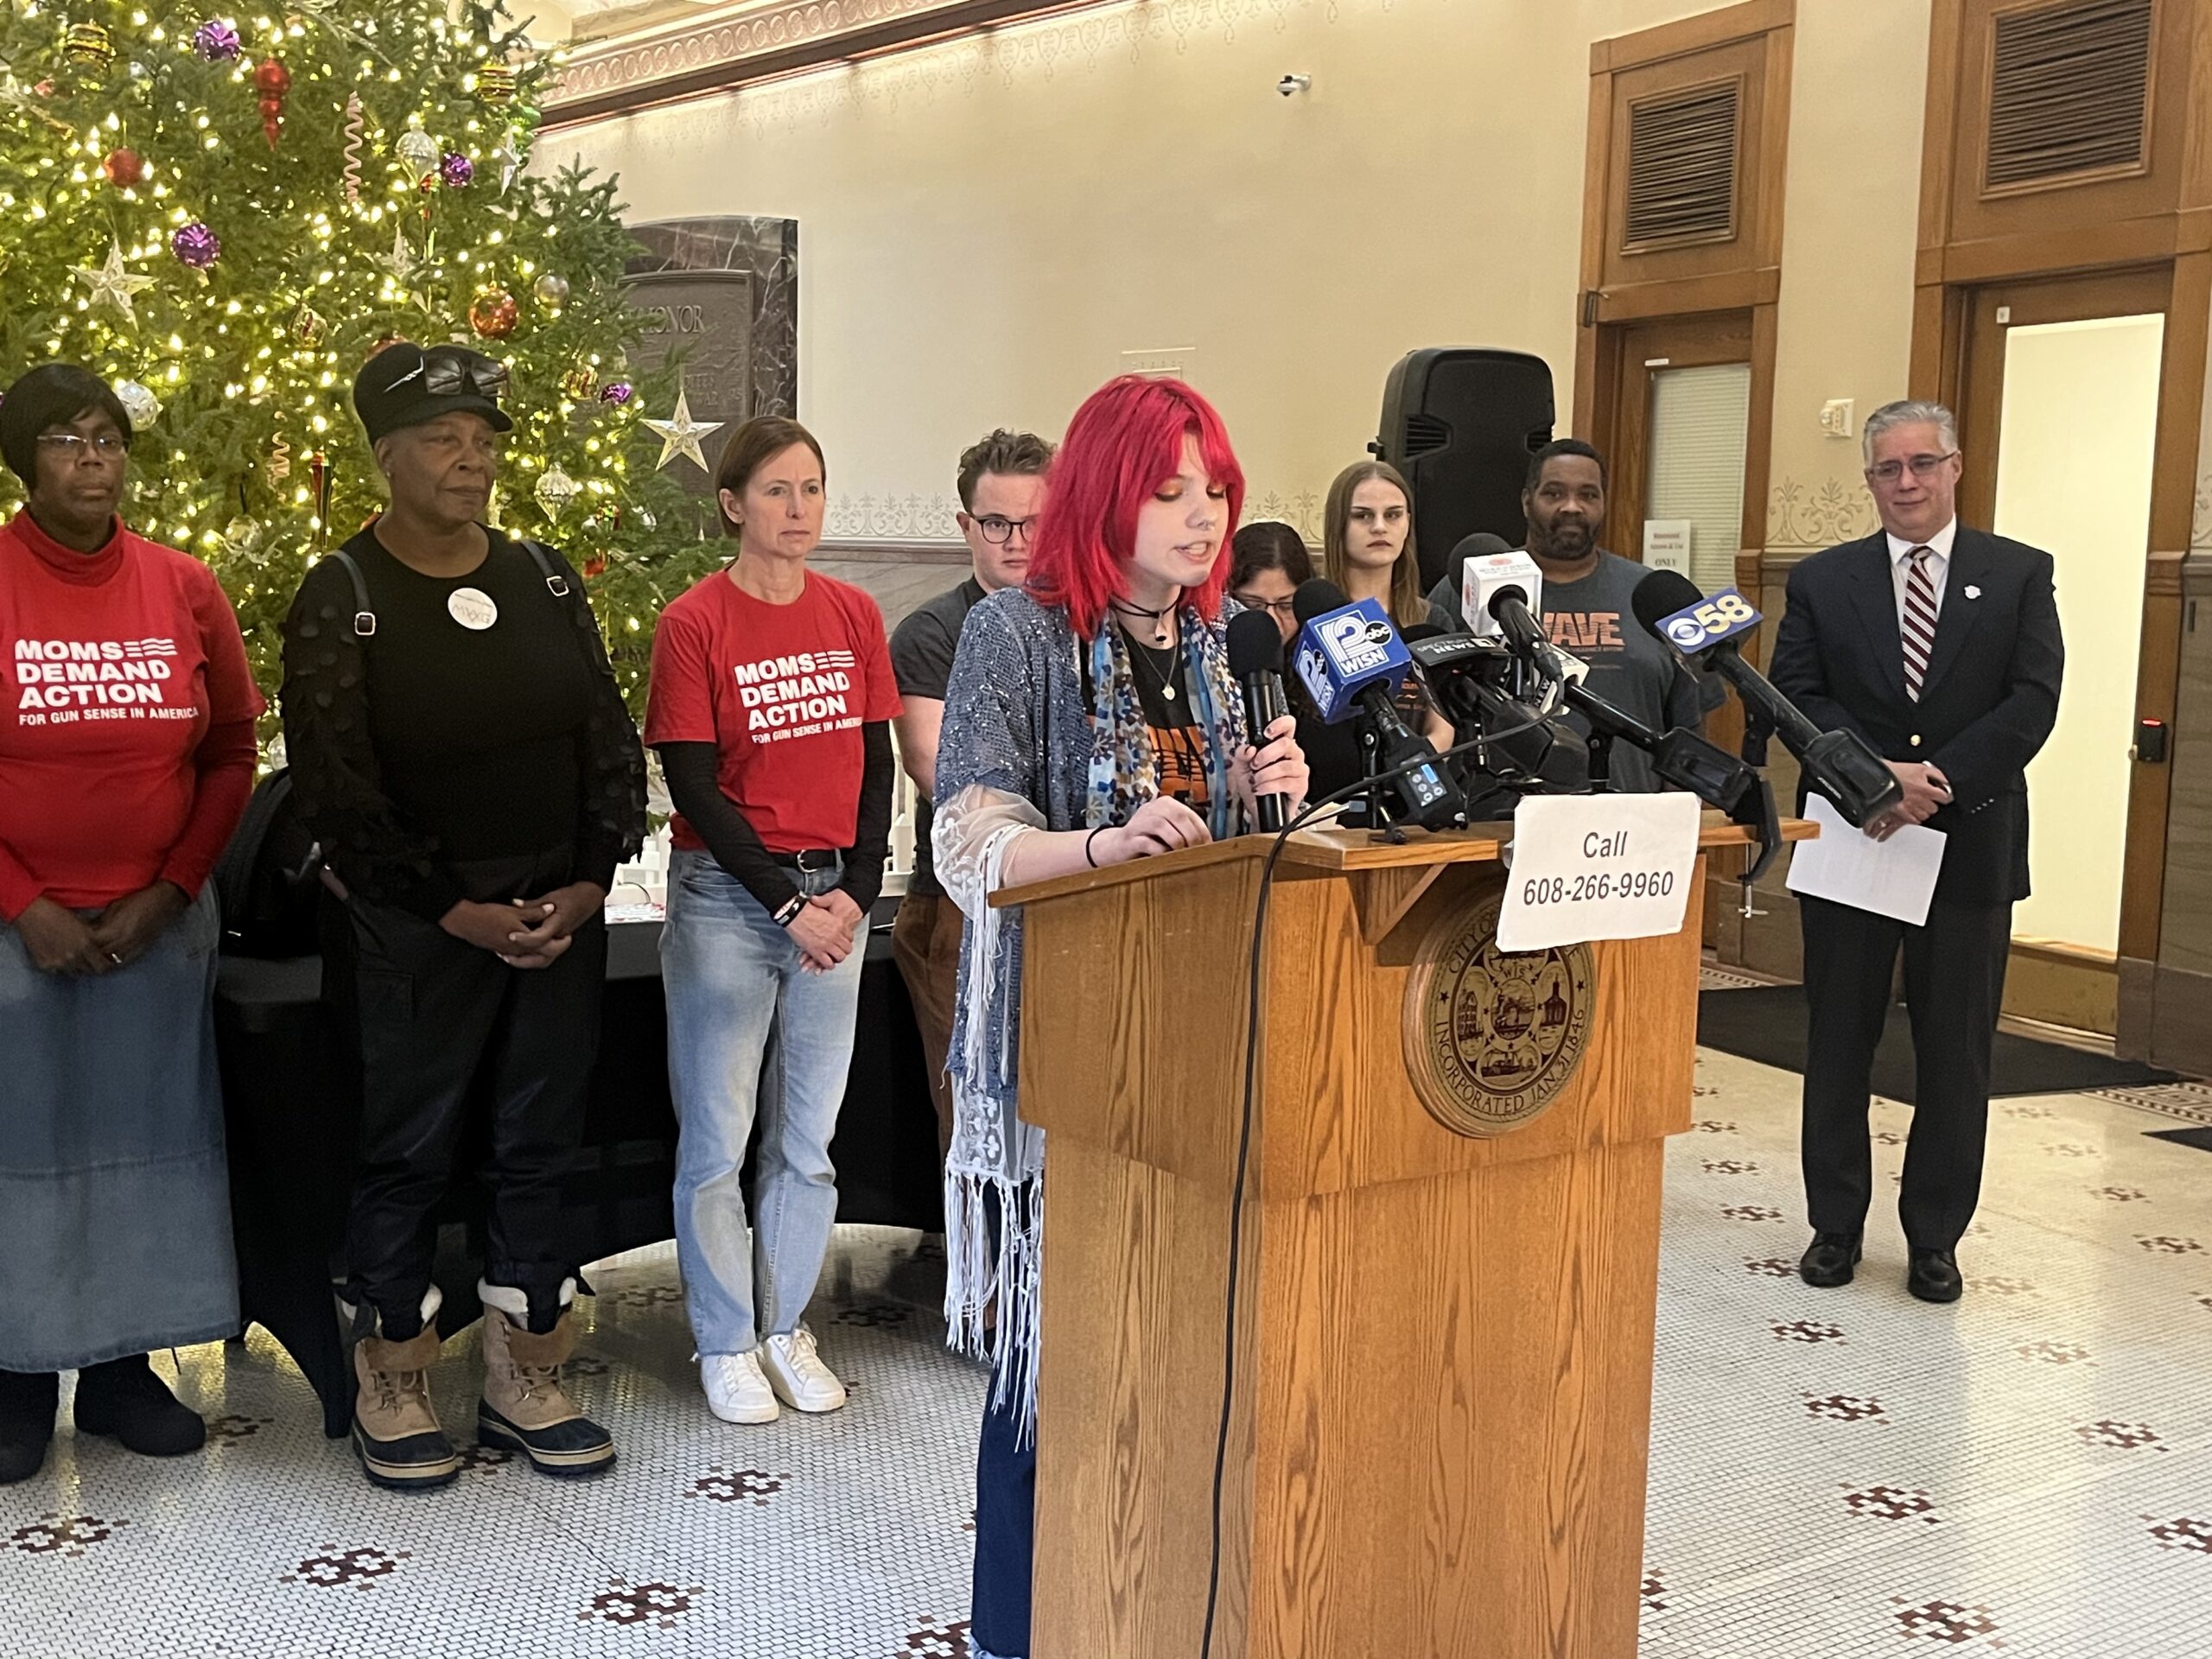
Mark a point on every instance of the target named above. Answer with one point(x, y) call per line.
point(459, 746)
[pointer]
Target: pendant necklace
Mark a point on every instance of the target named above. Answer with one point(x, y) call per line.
point(1158, 619)
point(1167, 680)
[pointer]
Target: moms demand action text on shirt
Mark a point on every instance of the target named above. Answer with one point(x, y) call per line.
point(798, 695)
point(60, 681)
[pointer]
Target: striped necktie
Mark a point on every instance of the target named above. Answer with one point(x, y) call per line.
point(1917, 627)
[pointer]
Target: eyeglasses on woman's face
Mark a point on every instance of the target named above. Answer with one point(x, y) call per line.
point(1280, 608)
point(74, 447)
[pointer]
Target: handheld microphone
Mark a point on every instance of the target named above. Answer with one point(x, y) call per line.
point(1255, 660)
point(1351, 657)
point(1839, 764)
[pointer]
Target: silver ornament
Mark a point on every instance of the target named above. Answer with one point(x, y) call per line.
point(554, 490)
point(552, 291)
point(419, 150)
point(241, 536)
point(138, 402)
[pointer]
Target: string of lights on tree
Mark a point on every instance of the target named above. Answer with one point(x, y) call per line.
point(224, 216)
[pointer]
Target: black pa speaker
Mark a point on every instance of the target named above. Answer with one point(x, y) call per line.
point(1460, 422)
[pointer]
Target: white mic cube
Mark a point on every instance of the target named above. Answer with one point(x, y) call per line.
point(1484, 578)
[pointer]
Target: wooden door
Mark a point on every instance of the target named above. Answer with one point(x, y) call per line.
point(2063, 408)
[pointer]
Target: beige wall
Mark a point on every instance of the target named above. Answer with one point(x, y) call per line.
point(1849, 232)
point(985, 226)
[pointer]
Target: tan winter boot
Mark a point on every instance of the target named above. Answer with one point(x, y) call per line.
point(396, 1430)
point(524, 1407)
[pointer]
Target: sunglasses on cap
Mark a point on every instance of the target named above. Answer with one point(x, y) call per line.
point(450, 377)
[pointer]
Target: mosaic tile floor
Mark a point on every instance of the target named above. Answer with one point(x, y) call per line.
point(1836, 1475)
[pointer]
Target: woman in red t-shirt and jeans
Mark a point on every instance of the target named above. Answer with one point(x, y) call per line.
point(772, 698)
point(126, 756)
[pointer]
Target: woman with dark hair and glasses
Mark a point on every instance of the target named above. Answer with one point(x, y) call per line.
point(126, 756)
point(460, 749)
point(1268, 559)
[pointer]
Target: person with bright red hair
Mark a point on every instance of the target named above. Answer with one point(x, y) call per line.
point(1091, 719)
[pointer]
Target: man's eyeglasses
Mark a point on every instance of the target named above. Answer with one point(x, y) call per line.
point(449, 377)
point(1000, 531)
point(74, 446)
point(1889, 472)
point(1283, 608)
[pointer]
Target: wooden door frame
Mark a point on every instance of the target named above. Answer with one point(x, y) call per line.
point(2080, 238)
point(1608, 314)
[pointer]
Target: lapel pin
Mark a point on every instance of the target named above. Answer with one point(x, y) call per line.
point(1973, 592)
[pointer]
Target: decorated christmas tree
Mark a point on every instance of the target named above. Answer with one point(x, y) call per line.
point(225, 216)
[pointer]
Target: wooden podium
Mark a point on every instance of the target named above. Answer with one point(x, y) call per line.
point(1444, 1338)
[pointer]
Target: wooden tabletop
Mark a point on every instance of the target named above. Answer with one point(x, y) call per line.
point(1339, 850)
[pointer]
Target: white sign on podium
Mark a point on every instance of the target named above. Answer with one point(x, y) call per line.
point(1597, 867)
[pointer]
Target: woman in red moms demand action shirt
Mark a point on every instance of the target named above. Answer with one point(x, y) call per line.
point(772, 700)
point(126, 756)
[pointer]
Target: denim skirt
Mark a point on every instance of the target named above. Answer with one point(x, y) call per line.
point(115, 1209)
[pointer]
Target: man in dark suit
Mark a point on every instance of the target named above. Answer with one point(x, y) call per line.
point(1940, 647)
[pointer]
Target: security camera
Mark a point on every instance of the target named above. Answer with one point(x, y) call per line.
point(1295, 83)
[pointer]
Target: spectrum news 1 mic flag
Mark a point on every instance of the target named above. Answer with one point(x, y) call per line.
point(1341, 652)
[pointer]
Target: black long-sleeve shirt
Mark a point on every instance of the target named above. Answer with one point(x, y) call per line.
point(434, 741)
point(737, 847)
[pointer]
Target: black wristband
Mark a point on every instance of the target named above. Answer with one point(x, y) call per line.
point(1087, 840)
point(787, 913)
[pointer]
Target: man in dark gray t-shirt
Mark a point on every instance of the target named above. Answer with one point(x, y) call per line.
point(1586, 609)
point(1001, 484)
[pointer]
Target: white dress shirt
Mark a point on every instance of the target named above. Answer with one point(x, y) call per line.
point(1939, 564)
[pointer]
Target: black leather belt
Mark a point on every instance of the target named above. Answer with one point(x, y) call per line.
point(810, 859)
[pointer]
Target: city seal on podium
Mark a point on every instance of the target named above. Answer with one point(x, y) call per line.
point(1492, 1037)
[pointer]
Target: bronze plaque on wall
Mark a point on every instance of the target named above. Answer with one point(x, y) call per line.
point(705, 318)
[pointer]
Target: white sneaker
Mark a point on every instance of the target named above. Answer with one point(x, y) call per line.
point(736, 1392)
point(797, 1373)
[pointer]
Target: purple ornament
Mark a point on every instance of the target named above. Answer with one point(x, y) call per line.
point(216, 40)
point(196, 247)
point(617, 392)
point(458, 171)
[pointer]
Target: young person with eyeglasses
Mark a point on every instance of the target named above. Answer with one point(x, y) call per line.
point(1268, 561)
point(459, 746)
point(772, 697)
point(126, 757)
point(1001, 485)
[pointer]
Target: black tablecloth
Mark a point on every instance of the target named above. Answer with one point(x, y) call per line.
point(291, 1138)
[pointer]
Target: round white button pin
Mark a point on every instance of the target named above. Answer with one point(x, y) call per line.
point(472, 609)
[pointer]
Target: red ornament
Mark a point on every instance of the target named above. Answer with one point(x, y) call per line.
point(123, 168)
point(493, 313)
point(272, 80)
point(595, 567)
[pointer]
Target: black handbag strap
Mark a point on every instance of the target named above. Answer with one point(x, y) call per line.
point(365, 616)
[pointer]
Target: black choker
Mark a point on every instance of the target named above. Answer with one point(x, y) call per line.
point(1158, 619)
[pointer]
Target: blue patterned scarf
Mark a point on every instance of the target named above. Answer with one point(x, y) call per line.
point(1124, 771)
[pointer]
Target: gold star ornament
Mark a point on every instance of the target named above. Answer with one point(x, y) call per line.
point(681, 436)
point(114, 285)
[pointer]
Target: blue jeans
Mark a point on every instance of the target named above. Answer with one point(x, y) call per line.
point(748, 1029)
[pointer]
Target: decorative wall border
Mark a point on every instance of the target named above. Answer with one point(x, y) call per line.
point(758, 42)
point(1818, 514)
point(893, 521)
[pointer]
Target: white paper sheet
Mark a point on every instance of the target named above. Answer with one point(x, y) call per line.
point(1895, 877)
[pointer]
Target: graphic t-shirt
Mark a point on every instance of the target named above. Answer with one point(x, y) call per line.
point(1179, 748)
point(126, 719)
point(782, 692)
